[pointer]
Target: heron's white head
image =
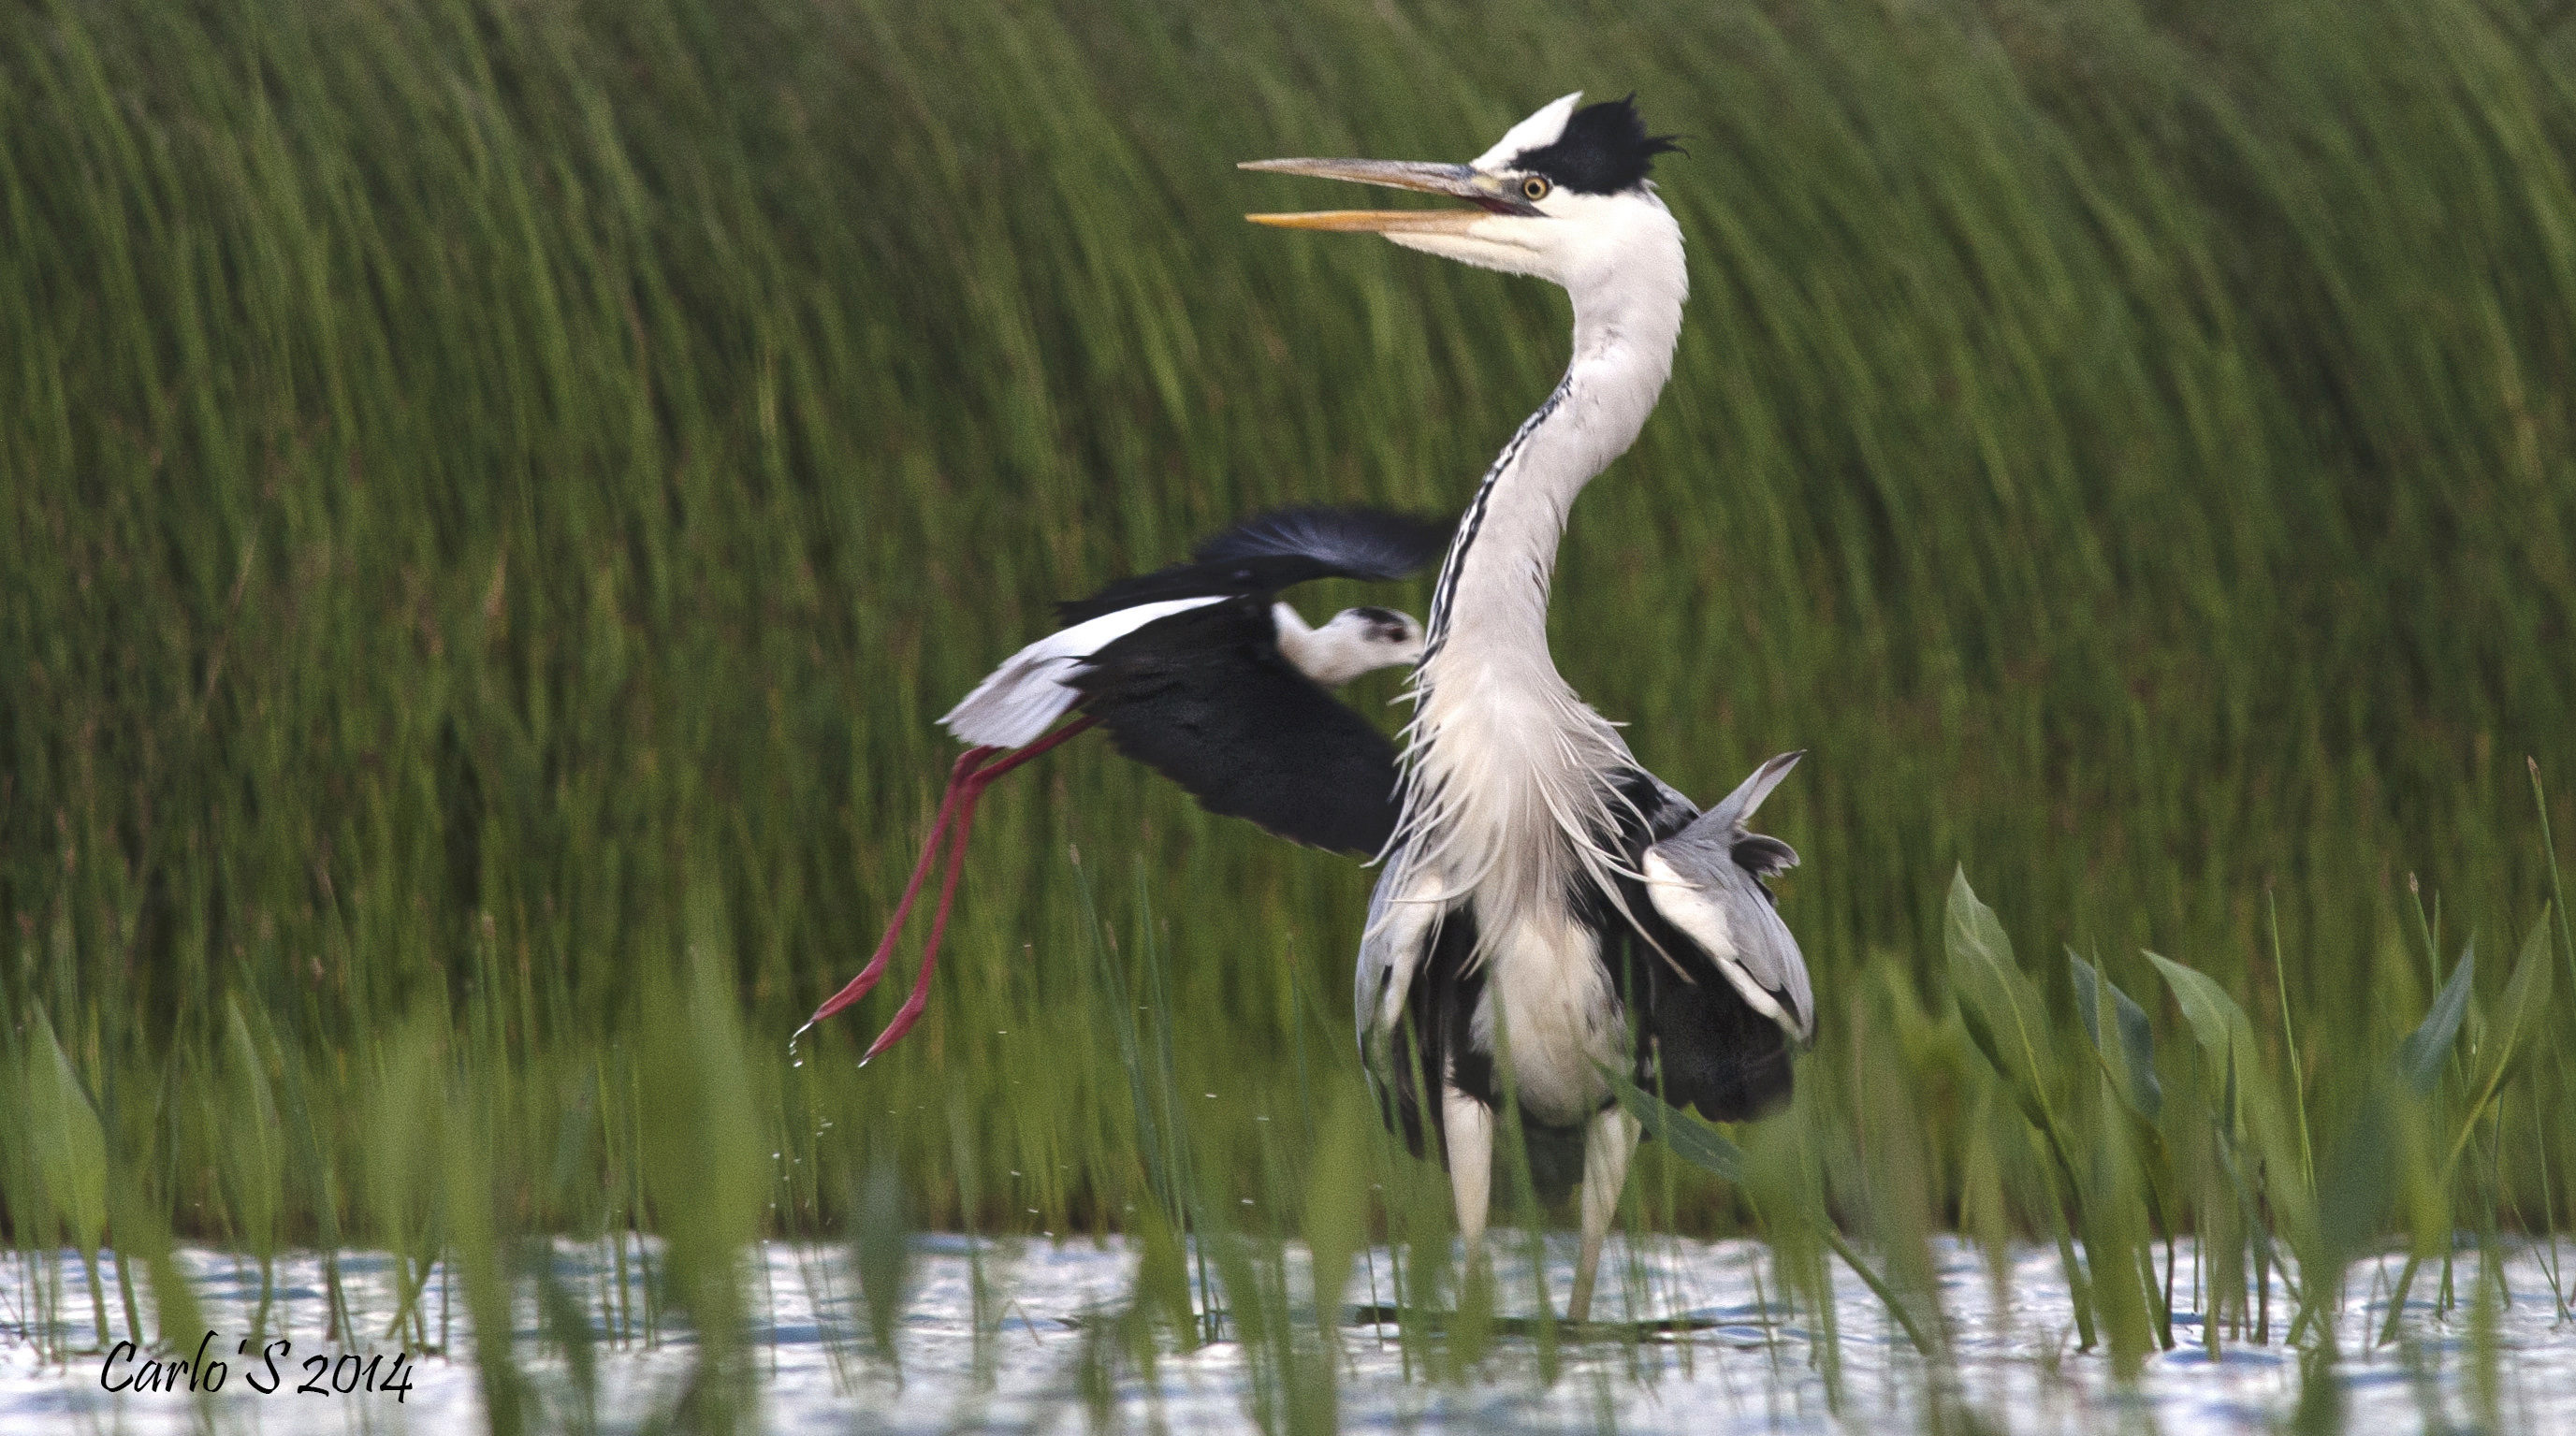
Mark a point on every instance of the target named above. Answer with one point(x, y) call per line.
point(1353, 642)
point(1563, 195)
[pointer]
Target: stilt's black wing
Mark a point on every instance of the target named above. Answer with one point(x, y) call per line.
point(1268, 552)
point(1206, 699)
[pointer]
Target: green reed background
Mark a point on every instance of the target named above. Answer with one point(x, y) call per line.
point(493, 496)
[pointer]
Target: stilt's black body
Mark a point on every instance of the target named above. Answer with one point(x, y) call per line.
point(1206, 699)
point(1697, 1042)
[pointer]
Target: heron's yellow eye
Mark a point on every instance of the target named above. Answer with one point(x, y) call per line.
point(1534, 188)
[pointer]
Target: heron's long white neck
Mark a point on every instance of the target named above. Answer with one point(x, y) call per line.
point(1505, 764)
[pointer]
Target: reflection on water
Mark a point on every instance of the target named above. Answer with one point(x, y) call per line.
point(1737, 1359)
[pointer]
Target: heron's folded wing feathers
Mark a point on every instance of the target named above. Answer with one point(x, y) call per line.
point(1707, 881)
point(1206, 699)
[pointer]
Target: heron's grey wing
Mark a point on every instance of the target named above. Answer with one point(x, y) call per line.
point(1272, 551)
point(1391, 951)
point(1206, 699)
point(1707, 881)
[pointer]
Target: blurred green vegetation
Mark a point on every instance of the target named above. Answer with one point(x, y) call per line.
point(492, 497)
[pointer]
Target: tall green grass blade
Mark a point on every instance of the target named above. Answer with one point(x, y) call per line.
point(704, 1171)
point(71, 1153)
point(1685, 1136)
point(255, 1158)
point(564, 1323)
point(2290, 1044)
point(478, 1251)
point(1336, 1206)
point(881, 1251)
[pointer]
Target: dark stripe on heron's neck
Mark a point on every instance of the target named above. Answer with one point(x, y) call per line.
point(1474, 519)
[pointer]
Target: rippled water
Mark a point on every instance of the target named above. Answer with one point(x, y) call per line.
point(1755, 1366)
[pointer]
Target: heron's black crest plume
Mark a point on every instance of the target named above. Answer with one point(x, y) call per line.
point(1605, 149)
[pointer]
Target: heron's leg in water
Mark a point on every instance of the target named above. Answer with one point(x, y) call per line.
point(970, 792)
point(1606, 1149)
point(1469, 1125)
point(868, 977)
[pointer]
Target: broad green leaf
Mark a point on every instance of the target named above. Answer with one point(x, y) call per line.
point(2003, 1011)
point(2130, 1056)
point(2426, 1048)
point(2214, 1016)
point(2224, 1032)
point(1687, 1137)
point(2217, 1023)
point(2526, 1001)
point(71, 1148)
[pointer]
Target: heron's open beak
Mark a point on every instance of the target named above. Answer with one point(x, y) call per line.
point(1486, 192)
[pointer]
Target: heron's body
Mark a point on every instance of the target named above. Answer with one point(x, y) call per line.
point(1550, 911)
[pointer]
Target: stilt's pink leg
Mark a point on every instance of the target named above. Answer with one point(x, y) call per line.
point(861, 985)
point(971, 792)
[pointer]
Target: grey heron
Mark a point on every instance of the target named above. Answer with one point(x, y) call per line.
point(1201, 672)
point(1549, 910)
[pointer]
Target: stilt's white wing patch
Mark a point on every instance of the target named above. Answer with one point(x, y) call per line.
point(1020, 700)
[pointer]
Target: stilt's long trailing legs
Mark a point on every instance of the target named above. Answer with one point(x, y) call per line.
point(967, 785)
point(868, 977)
point(1607, 1146)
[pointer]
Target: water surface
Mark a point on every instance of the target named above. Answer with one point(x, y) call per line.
point(1754, 1364)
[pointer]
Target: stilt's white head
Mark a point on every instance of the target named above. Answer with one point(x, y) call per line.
point(1354, 641)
